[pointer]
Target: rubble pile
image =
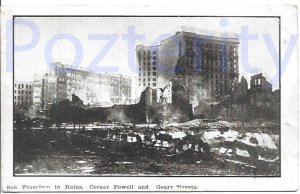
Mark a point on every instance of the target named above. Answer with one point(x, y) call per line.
point(243, 147)
point(244, 142)
point(193, 142)
point(239, 142)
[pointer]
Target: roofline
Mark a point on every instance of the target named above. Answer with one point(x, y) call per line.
point(217, 38)
point(22, 82)
point(210, 36)
point(91, 72)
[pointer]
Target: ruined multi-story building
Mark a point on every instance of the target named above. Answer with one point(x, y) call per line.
point(260, 91)
point(171, 104)
point(207, 65)
point(258, 83)
point(22, 94)
point(241, 88)
point(95, 89)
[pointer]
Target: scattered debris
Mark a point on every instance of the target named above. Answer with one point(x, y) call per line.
point(243, 153)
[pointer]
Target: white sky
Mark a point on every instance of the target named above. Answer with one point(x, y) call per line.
point(32, 61)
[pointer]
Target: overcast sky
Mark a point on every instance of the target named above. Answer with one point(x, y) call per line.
point(32, 60)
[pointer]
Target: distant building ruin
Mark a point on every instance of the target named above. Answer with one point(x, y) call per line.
point(258, 83)
point(95, 89)
point(260, 91)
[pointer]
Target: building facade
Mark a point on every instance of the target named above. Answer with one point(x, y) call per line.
point(241, 87)
point(22, 94)
point(207, 65)
point(93, 88)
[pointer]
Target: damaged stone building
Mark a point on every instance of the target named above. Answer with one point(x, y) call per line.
point(258, 101)
point(260, 91)
point(206, 65)
point(262, 97)
point(168, 104)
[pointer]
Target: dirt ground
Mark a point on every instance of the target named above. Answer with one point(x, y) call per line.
point(99, 166)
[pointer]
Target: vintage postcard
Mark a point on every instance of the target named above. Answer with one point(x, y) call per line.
point(145, 102)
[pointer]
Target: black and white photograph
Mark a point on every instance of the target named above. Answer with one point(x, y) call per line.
point(147, 96)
